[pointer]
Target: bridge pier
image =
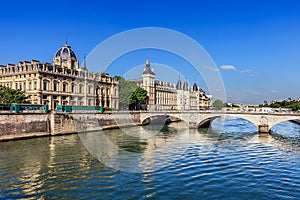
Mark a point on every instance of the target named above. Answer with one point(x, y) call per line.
point(263, 128)
point(193, 125)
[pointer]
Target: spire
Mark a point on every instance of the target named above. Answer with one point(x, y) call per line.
point(147, 69)
point(84, 63)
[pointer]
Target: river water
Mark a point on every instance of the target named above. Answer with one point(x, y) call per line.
point(232, 162)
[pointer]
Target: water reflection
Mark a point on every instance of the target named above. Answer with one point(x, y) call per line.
point(287, 136)
point(177, 162)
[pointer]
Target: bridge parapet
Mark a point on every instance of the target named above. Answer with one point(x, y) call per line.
point(263, 121)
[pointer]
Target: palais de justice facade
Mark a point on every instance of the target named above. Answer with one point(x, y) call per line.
point(61, 83)
point(168, 96)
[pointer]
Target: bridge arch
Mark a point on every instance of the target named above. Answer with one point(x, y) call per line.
point(289, 120)
point(173, 117)
point(263, 121)
point(205, 123)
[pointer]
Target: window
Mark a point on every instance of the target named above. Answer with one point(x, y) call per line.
point(24, 86)
point(90, 89)
point(45, 85)
point(107, 92)
point(80, 89)
point(54, 86)
point(64, 87)
point(34, 85)
point(45, 96)
point(73, 88)
point(29, 86)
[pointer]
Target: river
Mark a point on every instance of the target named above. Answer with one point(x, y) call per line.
point(232, 162)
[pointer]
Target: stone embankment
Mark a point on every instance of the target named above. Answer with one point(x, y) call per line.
point(28, 125)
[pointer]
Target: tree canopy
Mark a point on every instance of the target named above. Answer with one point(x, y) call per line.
point(8, 96)
point(126, 89)
point(218, 104)
point(137, 98)
point(294, 105)
point(130, 95)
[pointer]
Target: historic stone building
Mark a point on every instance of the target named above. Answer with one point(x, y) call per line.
point(168, 96)
point(61, 83)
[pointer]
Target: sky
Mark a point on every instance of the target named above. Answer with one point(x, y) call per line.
point(254, 44)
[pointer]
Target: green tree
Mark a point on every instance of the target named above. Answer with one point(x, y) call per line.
point(137, 98)
point(126, 89)
point(8, 96)
point(218, 104)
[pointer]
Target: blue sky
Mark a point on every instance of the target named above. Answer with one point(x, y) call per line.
point(254, 44)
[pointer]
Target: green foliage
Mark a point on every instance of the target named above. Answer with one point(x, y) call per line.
point(294, 105)
point(8, 96)
point(118, 77)
point(218, 104)
point(125, 91)
point(138, 96)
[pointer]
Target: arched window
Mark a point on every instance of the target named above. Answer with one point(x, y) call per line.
point(73, 88)
point(80, 89)
point(45, 85)
point(65, 86)
point(90, 90)
point(55, 85)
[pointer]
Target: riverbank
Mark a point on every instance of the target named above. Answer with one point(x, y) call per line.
point(4, 138)
point(30, 125)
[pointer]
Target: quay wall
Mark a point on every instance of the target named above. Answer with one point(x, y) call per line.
point(27, 125)
point(100, 121)
point(13, 126)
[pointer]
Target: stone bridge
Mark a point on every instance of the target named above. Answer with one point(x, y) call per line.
point(263, 121)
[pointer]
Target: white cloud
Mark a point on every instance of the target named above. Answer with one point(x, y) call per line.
point(228, 68)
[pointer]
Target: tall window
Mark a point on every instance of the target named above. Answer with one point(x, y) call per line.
point(73, 88)
point(64, 87)
point(80, 89)
point(45, 85)
point(54, 86)
point(34, 85)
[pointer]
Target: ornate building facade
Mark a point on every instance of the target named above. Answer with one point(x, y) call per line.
point(61, 83)
point(168, 96)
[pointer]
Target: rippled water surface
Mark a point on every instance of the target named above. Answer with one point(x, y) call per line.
point(232, 162)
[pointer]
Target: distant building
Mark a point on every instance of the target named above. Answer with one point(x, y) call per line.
point(168, 96)
point(61, 83)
